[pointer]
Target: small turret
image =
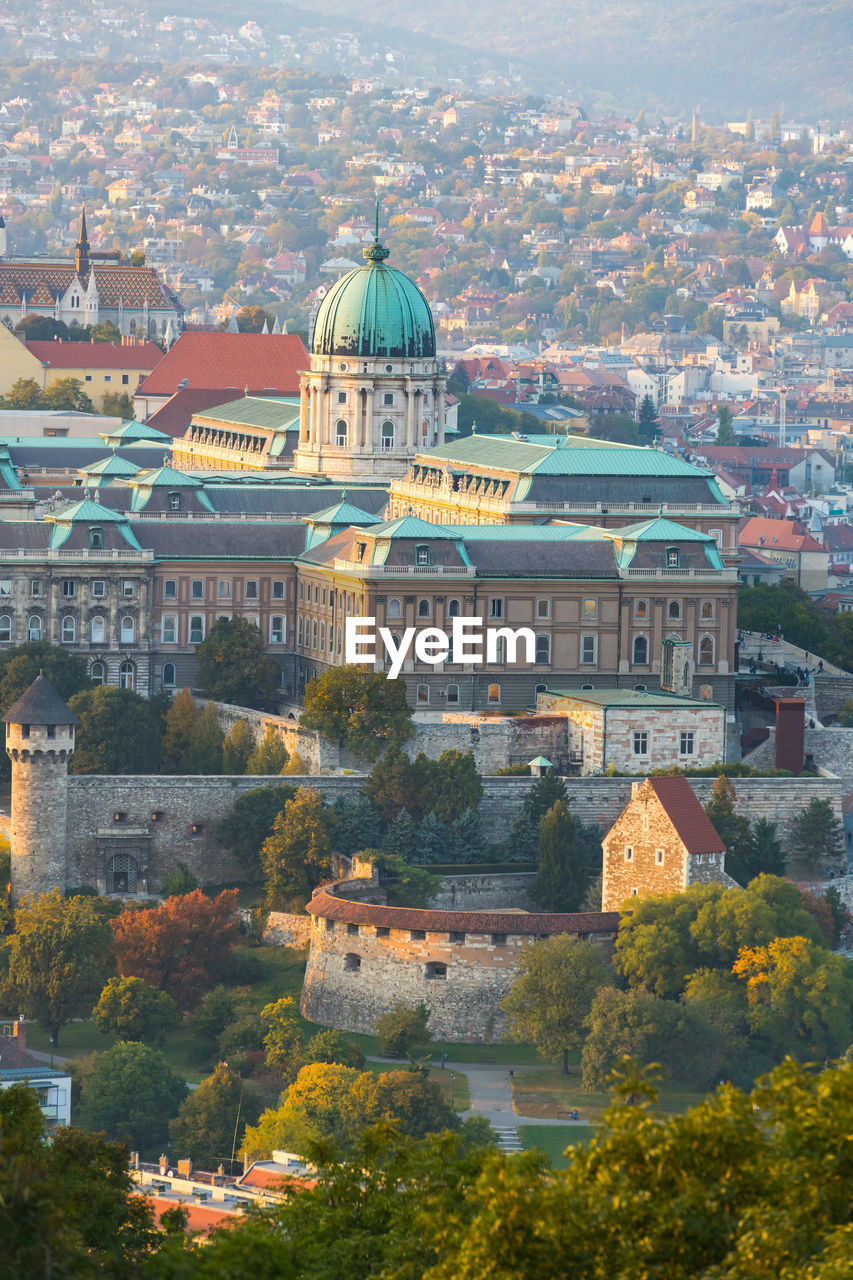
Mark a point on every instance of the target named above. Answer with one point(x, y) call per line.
point(39, 742)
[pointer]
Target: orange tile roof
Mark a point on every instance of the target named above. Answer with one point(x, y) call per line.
point(201, 1219)
point(686, 814)
point(273, 1180)
point(261, 362)
point(779, 535)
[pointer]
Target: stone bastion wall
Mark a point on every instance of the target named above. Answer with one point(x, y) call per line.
point(365, 956)
point(161, 821)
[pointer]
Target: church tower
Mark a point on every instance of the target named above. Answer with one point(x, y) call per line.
point(81, 252)
point(375, 393)
point(39, 742)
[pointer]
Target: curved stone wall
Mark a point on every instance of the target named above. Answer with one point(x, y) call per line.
point(364, 957)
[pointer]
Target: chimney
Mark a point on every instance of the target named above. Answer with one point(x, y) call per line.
point(19, 1033)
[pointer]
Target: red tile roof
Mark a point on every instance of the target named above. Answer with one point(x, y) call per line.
point(326, 905)
point(174, 416)
point(97, 355)
point(777, 535)
point(274, 1180)
point(686, 814)
point(201, 1219)
point(259, 362)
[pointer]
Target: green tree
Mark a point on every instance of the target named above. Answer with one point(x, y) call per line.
point(358, 825)
point(238, 745)
point(817, 837)
point(523, 834)
point(297, 855)
point(24, 393)
point(20, 666)
point(551, 998)
point(117, 404)
point(395, 784)
point(641, 1025)
point(401, 837)
point(60, 956)
point(117, 732)
point(205, 750)
point(66, 1206)
point(567, 852)
point(68, 394)
point(647, 420)
point(731, 827)
point(209, 1125)
point(181, 720)
point(430, 840)
point(131, 1010)
point(333, 1046)
point(763, 854)
point(7, 916)
point(282, 1045)
point(131, 1095)
point(250, 822)
point(725, 430)
point(402, 1029)
point(233, 665)
point(177, 881)
point(360, 710)
point(451, 784)
point(269, 755)
point(465, 839)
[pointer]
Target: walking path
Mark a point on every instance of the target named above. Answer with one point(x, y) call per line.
point(491, 1096)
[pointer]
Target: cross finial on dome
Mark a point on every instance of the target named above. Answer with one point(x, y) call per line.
point(376, 252)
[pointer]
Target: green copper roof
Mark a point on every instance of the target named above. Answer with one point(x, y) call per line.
point(343, 513)
point(164, 477)
point(105, 469)
point(506, 453)
point(135, 433)
point(660, 529)
point(87, 512)
point(274, 413)
point(414, 527)
point(374, 310)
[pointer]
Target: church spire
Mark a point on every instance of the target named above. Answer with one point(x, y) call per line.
point(81, 255)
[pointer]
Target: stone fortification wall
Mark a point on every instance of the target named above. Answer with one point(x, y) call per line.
point(283, 929)
point(188, 810)
point(364, 957)
point(491, 892)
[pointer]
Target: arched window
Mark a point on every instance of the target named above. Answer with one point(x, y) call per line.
point(96, 538)
point(387, 439)
point(543, 650)
point(69, 630)
point(423, 694)
point(674, 610)
point(341, 433)
point(394, 609)
point(494, 693)
point(706, 651)
point(34, 628)
point(5, 628)
point(127, 676)
point(169, 677)
point(706, 611)
point(454, 609)
point(98, 629)
point(97, 673)
point(396, 642)
point(314, 633)
point(424, 609)
point(122, 874)
point(452, 693)
point(352, 962)
point(133, 326)
point(641, 608)
point(128, 630)
point(641, 651)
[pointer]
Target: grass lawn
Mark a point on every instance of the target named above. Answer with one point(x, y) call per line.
point(498, 1055)
point(554, 1138)
point(544, 1093)
point(75, 1040)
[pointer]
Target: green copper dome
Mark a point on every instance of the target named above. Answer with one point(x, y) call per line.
point(374, 310)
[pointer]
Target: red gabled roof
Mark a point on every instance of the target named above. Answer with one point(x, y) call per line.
point(275, 1180)
point(257, 362)
point(686, 814)
point(174, 416)
point(201, 1219)
point(96, 355)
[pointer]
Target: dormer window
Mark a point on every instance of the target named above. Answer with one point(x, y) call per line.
point(96, 538)
point(361, 548)
point(422, 555)
point(672, 557)
point(174, 502)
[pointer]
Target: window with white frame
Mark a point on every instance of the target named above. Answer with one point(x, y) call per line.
point(278, 592)
point(277, 629)
point(673, 611)
point(69, 588)
point(422, 555)
point(251, 589)
point(34, 628)
point(170, 589)
point(543, 650)
point(454, 609)
point(36, 587)
point(98, 629)
point(69, 630)
point(169, 628)
point(641, 742)
point(387, 438)
point(5, 588)
point(706, 611)
point(394, 609)
point(341, 433)
point(299, 630)
point(196, 633)
point(452, 692)
point(422, 695)
point(5, 628)
point(494, 694)
point(641, 608)
point(424, 608)
point(672, 558)
point(686, 743)
point(97, 673)
point(589, 650)
point(706, 651)
point(223, 589)
point(496, 608)
point(128, 588)
point(128, 630)
point(127, 676)
point(589, 610)
point(543, 608)
point(99, 588)
point(169, 676)
point(197, 589)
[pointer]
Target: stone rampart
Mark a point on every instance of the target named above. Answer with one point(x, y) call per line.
point(285, 930)
point(488, 892)
point(365, 957)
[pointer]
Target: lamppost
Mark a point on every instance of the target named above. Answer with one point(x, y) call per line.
point(451, 1088)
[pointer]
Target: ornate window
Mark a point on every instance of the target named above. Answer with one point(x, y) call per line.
point(128, 630)
point(98, 629)
point(127, 676)
point(454, 609)
point(97, 674)
point(424, 608)
point(706, 611)
point(387, 438)
point(69, 630)
point(394, 609)
point(5, 628)
point(706, 651)
point(641, 608)
point(673, 611)
point(341, 433)
point(34, 628)
point(641, 651)
point(169, 677)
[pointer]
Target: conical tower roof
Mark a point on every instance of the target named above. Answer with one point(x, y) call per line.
point(40, 704)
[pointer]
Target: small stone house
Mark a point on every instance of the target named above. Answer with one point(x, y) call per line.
point(661, 842)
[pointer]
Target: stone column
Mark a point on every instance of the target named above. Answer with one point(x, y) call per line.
point(410, 415)
point(303, 412)
point(440, 414)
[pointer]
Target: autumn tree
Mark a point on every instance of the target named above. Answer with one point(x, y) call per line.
point(205, 749)
point(237, 746)
point(132, 1010)
point(60, 956)
point(402, 1029)
point(181, 720)
point(269, 756)
point(183, 946)
point(800, 996)
point(297, 855)
point(233, 665)
point(360, 710)
point(550, 1000)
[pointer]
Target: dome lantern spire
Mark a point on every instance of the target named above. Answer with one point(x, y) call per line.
point(377, 251)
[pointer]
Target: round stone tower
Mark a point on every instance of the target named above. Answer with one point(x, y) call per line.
point(39, 742)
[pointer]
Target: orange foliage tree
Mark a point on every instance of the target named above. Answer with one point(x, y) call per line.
point(183, 946)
